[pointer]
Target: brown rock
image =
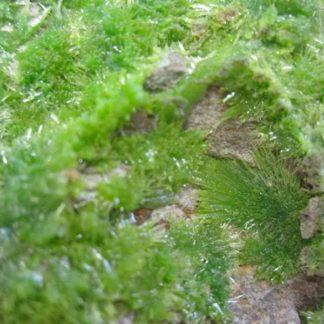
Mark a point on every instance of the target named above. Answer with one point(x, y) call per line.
point(305, 290)
point(233, 140)
point(171, 69)
point(206, 115)
point(227, 139)
point(258, 302)
point(142, 215)
point(140, 122)
point(310, 218)
point(313, 172)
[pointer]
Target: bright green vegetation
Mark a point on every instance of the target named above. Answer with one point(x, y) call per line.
point(264, 204)
point(93, 272)
point(153, 155)
point(70, 80)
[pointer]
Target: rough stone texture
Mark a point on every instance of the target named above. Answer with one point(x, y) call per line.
point(305, 290)
point(171, 69)
point(233, 140)
point(206, 115)
point(312, 172)
point(140, 122)
point(258, 302)
point(229, 139)
point(311, 216)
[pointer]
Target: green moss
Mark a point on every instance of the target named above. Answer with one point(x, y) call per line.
point(314, 259)
point(96, 272)
point(90, 41)
point(264, 203)
point(69, 86)
point(163, 165)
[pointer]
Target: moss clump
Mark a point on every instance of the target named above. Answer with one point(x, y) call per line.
point(71, 78)
point(77, 44)
point(85, 270)
point(314, 256)
point(263, 202)
point(152, 154)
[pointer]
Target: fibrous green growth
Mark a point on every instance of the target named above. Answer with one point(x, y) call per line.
point(314, 256)
point(263, 202)
point(71, 78)
point(80, 269)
